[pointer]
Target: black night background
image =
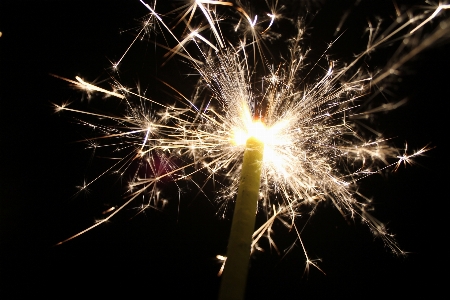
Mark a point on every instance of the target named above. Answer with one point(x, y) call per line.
point(170, 254)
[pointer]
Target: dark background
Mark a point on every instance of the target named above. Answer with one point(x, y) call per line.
point(165, 254)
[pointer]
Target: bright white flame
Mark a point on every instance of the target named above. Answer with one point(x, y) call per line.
point(254, 129)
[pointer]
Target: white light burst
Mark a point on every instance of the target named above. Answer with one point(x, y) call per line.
point(310, 114)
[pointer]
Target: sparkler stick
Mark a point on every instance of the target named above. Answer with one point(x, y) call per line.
point(238, 253)
point(313, 148)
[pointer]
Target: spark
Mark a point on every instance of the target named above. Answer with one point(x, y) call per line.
point(272, 19)
point(223, 259)
point(315, 148)
point(432, 16)
point(88, 86)
point(407, 159)
point(107, 211)
point(147, 23)
point(83, 188)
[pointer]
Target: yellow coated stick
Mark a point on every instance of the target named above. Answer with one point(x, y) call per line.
point(234, 277)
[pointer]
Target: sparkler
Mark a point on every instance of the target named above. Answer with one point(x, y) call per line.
point(310, 132)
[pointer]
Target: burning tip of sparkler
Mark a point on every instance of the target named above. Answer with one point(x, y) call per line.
point(255, 129)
